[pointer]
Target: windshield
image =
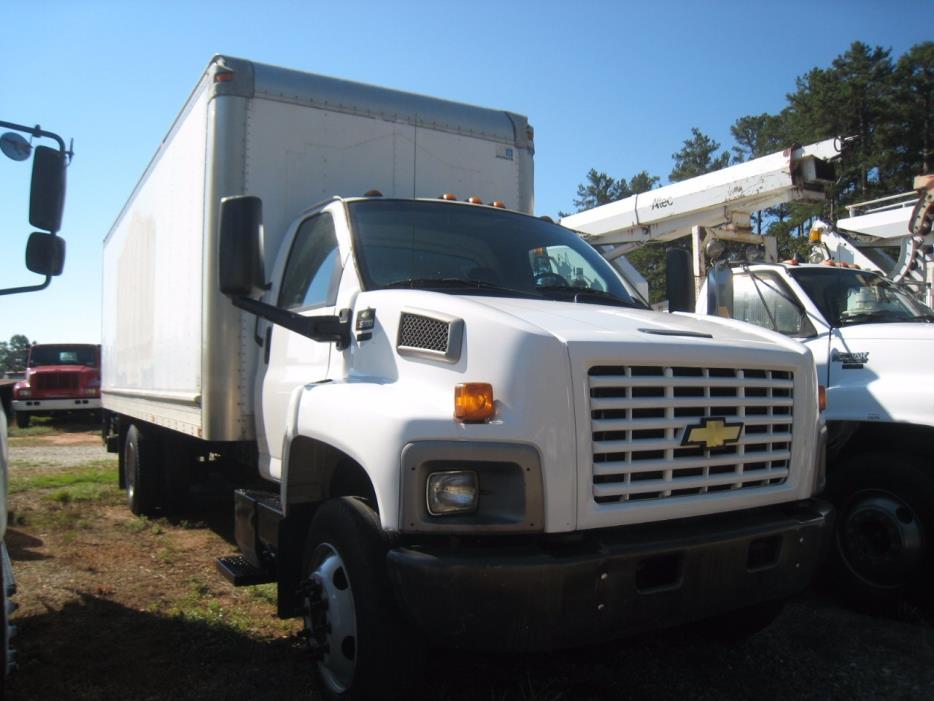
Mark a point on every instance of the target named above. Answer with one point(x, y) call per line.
point(63, 355)
point(847, 297)
point(468, 249)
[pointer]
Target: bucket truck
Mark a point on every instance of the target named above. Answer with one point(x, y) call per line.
point(867, 335)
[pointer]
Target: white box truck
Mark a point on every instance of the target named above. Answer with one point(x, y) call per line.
point(472, 435)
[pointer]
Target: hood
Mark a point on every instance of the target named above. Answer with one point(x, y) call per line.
point(888, 332)
point(570, 323)
point(47, 369)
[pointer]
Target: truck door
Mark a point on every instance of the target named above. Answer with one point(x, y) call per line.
point(308, 286)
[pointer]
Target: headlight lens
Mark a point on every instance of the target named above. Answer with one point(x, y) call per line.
point(23, 393)
point(452, 492)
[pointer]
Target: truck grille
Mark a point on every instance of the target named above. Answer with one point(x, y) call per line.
point(668, 432)
point(54, 381)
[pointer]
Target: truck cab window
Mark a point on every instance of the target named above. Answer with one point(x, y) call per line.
point(762, 299)
point(309, 279)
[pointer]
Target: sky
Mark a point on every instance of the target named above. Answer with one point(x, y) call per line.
point(615, 86)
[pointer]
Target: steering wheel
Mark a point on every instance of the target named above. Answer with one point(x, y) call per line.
point(548, 278)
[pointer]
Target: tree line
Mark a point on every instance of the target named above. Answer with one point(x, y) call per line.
point(883, 107)
point(13, 353)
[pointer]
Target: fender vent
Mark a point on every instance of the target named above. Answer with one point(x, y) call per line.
point(437, 336)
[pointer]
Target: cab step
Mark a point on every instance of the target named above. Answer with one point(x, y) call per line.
point(237, 570)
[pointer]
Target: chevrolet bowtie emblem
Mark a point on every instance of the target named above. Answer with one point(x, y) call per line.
point(713, 432)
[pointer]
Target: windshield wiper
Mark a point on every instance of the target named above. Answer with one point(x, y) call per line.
point(451, 282)
point(875, 315)
point(581, 295)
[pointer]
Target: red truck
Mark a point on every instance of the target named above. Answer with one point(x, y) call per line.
point(61, 378)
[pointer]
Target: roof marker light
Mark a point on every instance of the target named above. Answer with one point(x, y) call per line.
point(499, 204)
point(448, 197)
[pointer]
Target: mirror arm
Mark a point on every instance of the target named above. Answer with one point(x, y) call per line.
point(317, 328)
point(27, 288)
point(37, 132)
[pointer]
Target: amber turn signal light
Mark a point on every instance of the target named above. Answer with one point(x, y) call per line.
point(473, 401)
point(821, 397)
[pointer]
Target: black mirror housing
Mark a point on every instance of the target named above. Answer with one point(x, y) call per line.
point(47, 200)
point(45, 254)
point(679, 280)
point(240, 251)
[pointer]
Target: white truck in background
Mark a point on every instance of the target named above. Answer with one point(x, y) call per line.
point(471, 435)
point(45, 256)
point(869, 337)
point(891, 235)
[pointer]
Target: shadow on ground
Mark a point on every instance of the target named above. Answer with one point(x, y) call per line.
point(96, 649)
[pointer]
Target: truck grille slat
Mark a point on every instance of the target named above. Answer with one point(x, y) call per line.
point(663, 432)
point(652, 486)
point(608, 447)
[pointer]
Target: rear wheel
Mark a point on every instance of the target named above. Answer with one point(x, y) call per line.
point(22, 419)
point(362, 647)
point(884, 527)
point(141, 462)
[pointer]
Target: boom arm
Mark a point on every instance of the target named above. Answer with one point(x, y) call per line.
point(725, 197)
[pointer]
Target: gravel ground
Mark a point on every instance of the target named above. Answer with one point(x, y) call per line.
point(56, 455)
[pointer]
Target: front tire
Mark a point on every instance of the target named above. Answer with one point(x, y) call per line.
point(141, 462)
point(22, 419)
point(363, 647)
point(884, 527)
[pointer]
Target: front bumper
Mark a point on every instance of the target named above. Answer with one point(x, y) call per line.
point(39, 406)
point(565, 591)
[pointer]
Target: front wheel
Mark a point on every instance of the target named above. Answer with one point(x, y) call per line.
point(22, 419)
point(884, 527)
point(363, 648)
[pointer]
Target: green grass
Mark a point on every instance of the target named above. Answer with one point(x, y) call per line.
point(38, 426)
point(89, 480)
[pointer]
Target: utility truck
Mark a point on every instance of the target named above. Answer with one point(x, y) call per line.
point(868, 336)
point(470, 434)
point(45, 256)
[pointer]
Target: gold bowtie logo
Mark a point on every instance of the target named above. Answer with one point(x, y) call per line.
point(713, 432)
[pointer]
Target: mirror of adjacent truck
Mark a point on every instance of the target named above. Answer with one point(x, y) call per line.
point(45, 254)
point(679, 280)
point(47, 198)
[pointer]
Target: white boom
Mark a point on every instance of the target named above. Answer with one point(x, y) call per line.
point(721, 201)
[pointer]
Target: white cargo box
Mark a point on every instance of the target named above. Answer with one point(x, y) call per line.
point(175, 351)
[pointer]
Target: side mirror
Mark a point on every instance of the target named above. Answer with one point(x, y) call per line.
point(679, 280)
point(240, 252)
point(45, 254)
point(47, 200)
point(720, 290)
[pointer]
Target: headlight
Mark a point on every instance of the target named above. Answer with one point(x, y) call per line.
point(24, 393)
point(453, 492)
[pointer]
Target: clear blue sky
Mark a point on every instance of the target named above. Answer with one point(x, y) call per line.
point(614, 86)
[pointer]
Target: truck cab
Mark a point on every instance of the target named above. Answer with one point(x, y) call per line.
point(869, 337)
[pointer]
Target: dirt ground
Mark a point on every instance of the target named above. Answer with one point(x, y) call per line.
point(112, 606)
